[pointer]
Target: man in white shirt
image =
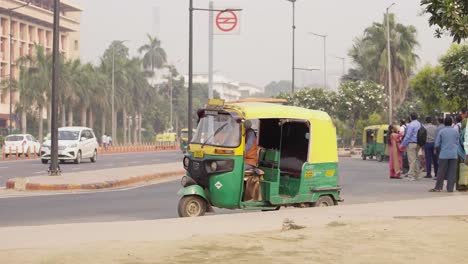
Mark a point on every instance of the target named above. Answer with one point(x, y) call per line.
point(105, 141)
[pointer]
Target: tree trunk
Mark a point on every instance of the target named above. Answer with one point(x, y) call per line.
point(91, 119)
point(41, 125)
point(354, 135)
point(24, 120)
point(139, 129)
point(49, 118)
point(124, 116)
point(83, 116)
point(103, 123)
point(135, 129)
point(70, 116)
point(64, 115)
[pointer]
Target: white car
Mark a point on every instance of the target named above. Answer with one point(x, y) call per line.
point(74, 143)
point(24, 143)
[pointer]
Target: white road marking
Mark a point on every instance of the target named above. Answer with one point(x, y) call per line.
point(76, 168)
point(3, 167)
point(39, 172)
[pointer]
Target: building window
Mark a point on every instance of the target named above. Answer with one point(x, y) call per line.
point(76, 45)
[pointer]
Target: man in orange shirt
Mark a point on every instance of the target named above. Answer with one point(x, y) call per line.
point(251, 147)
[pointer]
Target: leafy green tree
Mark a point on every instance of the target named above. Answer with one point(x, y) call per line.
point(455, 65)
point(313, 98)
point(449, 16)
point(428, 87)
point(154, 57)
point(358, 100)
point(369, 54)
point(275, 88)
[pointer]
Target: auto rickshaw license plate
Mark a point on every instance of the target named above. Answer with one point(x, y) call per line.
point(198, 154)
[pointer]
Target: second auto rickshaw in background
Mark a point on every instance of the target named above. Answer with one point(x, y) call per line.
point(184, 139)
point(297, 159)
point(374, 142)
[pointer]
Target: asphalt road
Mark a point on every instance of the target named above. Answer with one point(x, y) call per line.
point(362, 181)
point(11, 169)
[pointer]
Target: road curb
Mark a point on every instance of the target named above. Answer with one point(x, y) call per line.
point(21, 184)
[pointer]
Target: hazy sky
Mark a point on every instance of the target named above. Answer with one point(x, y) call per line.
point(262, 51)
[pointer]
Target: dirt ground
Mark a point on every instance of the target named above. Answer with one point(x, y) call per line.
point(400, 240)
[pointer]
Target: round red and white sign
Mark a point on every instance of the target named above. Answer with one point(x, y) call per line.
point(227, 21)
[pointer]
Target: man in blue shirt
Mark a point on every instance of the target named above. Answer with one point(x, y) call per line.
point(410, 142)
point(447, 141)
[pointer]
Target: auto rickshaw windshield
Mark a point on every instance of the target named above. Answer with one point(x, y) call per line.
point(218, 130)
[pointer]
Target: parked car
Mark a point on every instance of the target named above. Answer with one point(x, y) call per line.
point(23, 143)
point(74, 143)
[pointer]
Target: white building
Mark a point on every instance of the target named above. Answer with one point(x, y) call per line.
point(227, 89)
point(249, 90)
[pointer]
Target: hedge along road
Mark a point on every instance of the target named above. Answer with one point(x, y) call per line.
point(362, 181)
point(24, 168)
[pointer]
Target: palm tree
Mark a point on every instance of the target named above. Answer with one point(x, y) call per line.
point(154, 56)
point(370, 55)
point(35, 78)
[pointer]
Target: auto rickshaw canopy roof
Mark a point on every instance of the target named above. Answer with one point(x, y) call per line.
point(323, 146)
point(259, 110)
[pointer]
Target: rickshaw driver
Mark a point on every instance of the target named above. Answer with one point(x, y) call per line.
point(251, 147)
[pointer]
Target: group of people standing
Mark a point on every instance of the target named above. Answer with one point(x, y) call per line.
point(443, 148)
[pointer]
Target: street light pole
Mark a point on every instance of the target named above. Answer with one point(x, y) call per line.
point(293, 43)
point(324, 57)
point(389, 59)
point(10, 13)
point(54, 169)
point(343, 67)
point(190, 73)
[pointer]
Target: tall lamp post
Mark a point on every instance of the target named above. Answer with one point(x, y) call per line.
point(324, 57)
point(343, 66)
point(10, 13)
point(54, 169)
point(190, 73)
point(114, 125)
point(293, 2)
point(389, 61)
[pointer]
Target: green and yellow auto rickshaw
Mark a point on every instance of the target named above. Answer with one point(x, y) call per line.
point(374, 140)
point(297, 160)
point(184, 139)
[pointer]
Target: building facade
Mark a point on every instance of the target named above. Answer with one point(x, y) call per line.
point(227, 89)
point(250, 90)
point(27, 26)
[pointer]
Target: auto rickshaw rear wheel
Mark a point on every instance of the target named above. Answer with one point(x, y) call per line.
point(364, 157)
point(324, 201)
point(380, 157)
point(192, 206)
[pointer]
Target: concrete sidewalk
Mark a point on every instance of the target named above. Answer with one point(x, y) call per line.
point(228, 224)
point(99, 179)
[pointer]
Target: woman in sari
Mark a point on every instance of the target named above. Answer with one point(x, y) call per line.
point(396, 162)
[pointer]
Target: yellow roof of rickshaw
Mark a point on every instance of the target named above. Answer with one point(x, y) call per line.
point(258, 110)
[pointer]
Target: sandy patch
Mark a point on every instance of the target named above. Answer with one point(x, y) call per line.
point(401, 240)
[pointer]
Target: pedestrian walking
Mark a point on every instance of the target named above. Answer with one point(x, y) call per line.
point(429, 154)
point(396, 163)
point(447, 141)
point(458, 123)
point(402, 127)
point(105, 141)
point(410, 144)
point(405, 165)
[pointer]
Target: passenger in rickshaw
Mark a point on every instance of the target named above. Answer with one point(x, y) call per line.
point(251, 147)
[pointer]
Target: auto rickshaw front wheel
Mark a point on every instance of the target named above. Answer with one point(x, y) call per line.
point(324, 201)
point(192, 206)
point(380, 157)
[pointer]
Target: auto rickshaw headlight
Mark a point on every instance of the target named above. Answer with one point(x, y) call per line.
point(186, 162)
point(213, 166)
point(187, 181)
